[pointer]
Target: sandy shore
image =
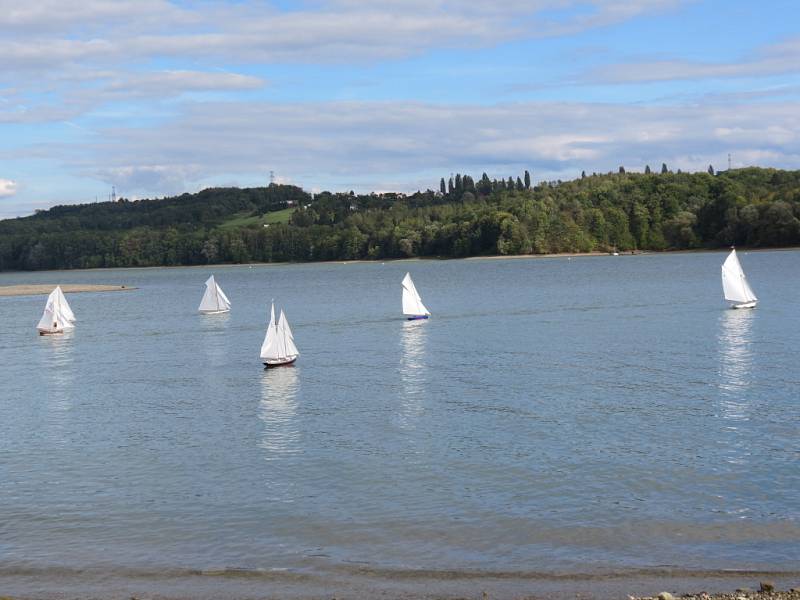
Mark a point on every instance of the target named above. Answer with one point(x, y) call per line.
point(32, 290)
point(766, 592)
point(280, 584)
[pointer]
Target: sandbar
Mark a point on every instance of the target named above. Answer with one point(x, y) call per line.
point(69, 288)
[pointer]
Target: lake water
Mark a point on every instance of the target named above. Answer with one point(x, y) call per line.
point(591, 415)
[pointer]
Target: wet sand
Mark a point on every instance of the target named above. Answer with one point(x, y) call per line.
point(33, 290)
point(356, 584)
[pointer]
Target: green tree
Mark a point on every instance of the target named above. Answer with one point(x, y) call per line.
point(484, 185)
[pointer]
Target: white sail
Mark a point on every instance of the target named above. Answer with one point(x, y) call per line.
point(49, 321)
point(268, 348)
point(214, 299)
point(223, 299)
point(734, 282)
point(56, 315)
point(285, 332)
point(65, 308)
point(412, 303)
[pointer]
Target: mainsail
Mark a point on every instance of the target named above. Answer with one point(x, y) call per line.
point(734, 282)
point(214, 299)
point(412, 303)
point(57, 315)
point(269, 348)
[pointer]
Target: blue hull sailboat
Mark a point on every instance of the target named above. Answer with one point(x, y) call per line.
point(413, 307)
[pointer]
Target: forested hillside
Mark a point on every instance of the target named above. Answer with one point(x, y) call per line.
point(624, 211)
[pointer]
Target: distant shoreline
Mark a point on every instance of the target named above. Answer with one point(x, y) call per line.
point(41, 289)
point(594, 253)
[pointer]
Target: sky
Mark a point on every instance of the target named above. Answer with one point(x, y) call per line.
point(161, 97)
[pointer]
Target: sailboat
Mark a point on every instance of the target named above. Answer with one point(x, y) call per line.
point(413, 307)
point(278, 348)
point(734, 284)
point(58, 316)
point(214, 300)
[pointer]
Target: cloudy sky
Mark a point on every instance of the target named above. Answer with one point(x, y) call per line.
point(158, 97)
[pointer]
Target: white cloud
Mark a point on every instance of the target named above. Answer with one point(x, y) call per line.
point(776, 59)
point(7, 188)
point(104, 31)
point(67, 57)
point(55, 15)
point(165, 81)
point(165, 179)
point(363, 145)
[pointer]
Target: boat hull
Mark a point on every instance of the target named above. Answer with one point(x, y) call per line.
point(214, 312)
point(417, 317)
point(47, 332)
point(282, 363)
point(745, 305)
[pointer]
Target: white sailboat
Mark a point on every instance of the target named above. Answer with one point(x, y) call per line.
point(214, 300)
point(413, 307)
point(278, 348)
point(734, 284)
point(57, 316)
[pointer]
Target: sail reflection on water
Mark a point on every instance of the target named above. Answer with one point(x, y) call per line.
point(278, 412)
point(59, 376)
point(214, 333)
point(735, 380)
point(735, 352)
point(413, 369)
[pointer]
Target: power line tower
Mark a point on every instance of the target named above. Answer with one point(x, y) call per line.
point(271, 178)
point(113, 193)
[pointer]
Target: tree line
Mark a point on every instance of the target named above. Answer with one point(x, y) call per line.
point(615, 211)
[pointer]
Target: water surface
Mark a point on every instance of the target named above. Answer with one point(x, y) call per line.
point(559, 416)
